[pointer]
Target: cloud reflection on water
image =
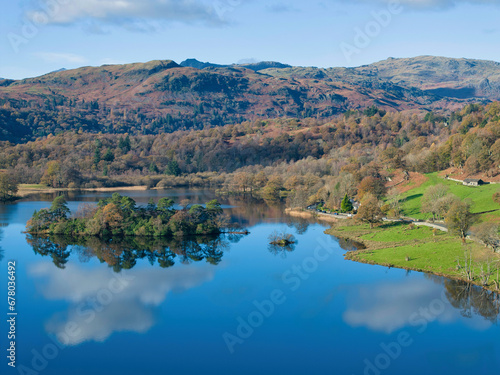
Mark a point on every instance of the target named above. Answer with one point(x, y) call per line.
point(387, 307)
point(133, 309)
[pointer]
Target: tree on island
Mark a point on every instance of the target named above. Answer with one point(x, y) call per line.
point(346, 205)
point(281, 238)
point(59, 208)
point(281, 243)
point(119, 216)
point(370, 211)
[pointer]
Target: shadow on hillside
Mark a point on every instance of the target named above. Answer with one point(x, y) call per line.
point(414, 196)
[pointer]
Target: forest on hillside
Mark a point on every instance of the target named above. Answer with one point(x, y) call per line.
point(286, 153)
point(162, 97)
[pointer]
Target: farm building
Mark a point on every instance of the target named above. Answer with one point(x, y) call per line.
point(473, 182)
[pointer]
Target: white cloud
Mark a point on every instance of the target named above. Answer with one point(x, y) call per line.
point(56, 57)
point(130, 13)
point(435, 4)
point(131, 309)
point(444, 3)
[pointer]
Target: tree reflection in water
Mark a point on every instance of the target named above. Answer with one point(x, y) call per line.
point(473, 300)
point(281, 250)
point(350, 245)
point(1, 236)
point(469, 299)
point(125, 252)
point(299, 224)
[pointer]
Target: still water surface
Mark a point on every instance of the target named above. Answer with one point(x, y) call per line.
point(234, 305)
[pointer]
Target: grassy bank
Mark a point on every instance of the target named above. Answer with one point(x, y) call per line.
point(419, 248)
point(480, 196)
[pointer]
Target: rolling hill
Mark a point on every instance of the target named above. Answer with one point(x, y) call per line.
point(162, 95)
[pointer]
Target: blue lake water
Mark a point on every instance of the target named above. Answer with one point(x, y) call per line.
point(254, 310)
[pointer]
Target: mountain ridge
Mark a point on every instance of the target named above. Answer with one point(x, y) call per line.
point(161, 95)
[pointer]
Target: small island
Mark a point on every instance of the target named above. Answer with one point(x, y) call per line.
point(282, 239)
point(120, 216)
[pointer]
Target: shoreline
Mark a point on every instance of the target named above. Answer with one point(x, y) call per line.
point(24, 192)
point(374, 248)
point(295, 212)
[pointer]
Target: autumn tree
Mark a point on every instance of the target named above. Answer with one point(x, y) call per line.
point(372, 185)
point(112, 216)
point(459, 219)
point(260, 180)
point(243, 181)
point(392, 157)
point(495, 153)
point(370, 211)
point(293, 182)
point(8, 186)
point(272, 189)
point(52, 175)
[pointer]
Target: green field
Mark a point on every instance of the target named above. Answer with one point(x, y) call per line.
point(393, 233)
point(415, 248)
point(400, 233)
point(480, 196)
point(439, 257)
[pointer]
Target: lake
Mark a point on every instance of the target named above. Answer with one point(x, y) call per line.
point(233, 305)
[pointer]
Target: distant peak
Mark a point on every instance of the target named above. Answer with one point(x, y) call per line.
point(265, 65)
point(193, 63)
point(255, 66)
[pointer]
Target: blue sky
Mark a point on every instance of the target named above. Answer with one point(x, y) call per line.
point(44, 35)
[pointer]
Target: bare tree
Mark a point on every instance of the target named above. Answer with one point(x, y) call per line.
point(443, 205)
point(465, 266)
point(487, 233)
point(431, 196)
point(395, 201)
